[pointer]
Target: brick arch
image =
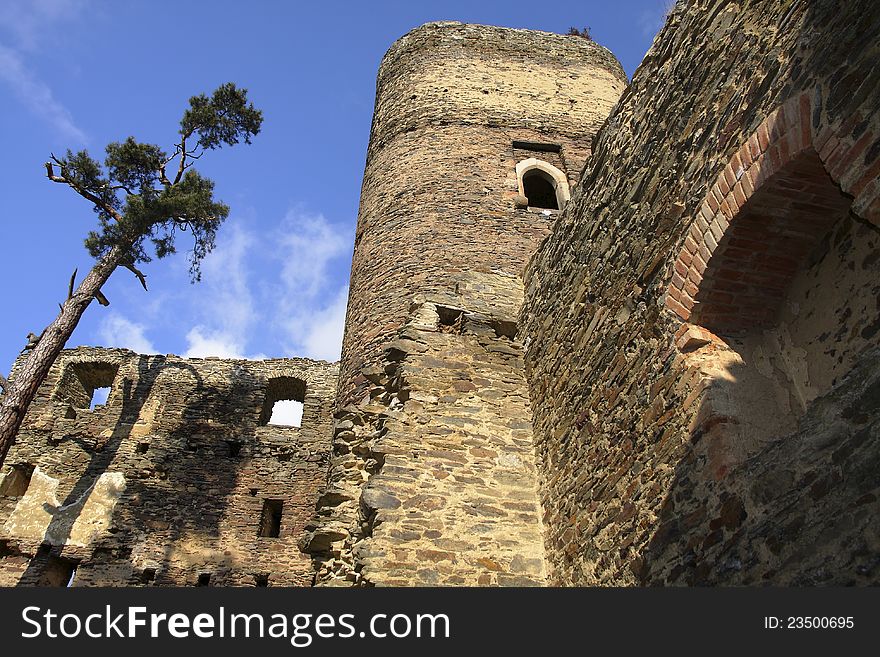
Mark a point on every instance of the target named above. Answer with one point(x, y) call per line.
point(768, 208)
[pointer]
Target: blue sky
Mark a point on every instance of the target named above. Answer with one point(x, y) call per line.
point(81, 73)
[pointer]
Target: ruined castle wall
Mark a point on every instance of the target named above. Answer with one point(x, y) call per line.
point(165, 483)
point(433, 475)
point(437, 196)
point(701, 326)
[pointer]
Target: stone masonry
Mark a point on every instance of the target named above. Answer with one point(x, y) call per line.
point(597, 334)
point(703, 330)
point(433, 478)
point(166, 483)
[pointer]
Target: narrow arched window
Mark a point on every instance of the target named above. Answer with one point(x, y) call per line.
point(538, 187)
point(545, 186)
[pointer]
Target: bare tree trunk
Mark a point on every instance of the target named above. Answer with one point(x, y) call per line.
point(22, 386)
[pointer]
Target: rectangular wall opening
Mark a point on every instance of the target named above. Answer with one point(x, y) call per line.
point(451, 320)
point(284, 402)
point(541, 147)
point(204, 579)
point(16, 482)
point(81, 382)
point(287, 413)
point(99, 397)
point(58, 572)
point(270, 520)
point(504, 329)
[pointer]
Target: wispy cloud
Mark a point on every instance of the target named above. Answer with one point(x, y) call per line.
point(320, 334)
point(29, 22)
point(118, 331)
point(37, 96)
point(202, 342)
point(224, 298)
point(309, 243)
point(277, 291)
point(27, 26)
point(312, 306)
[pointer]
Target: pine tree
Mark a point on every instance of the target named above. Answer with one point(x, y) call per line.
point(140, 212)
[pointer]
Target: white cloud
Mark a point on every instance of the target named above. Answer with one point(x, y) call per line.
point(224, 290)
point(309, 243)
point(117, 331)
point(224, 299)
point(311, 305)
point(31, 24)
point(203, 343)
point(37, 96)
point(273, 291)
point(323, 330)
point(29, 20)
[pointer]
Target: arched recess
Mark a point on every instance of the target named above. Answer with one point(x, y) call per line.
point(777, 279)
point(556, 178)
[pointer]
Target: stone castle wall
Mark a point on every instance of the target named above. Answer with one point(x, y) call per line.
point(433, 475)
point(438, 189)
point(165, 483)
point(702, 324)
point(684, 392)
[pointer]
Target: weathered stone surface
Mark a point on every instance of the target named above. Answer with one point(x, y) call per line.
point(166, 481)
point(437, 202)
point(699, 317)
point(685, 392)
point(429, 357)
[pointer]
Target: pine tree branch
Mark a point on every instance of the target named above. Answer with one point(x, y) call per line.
point(101, 298)
point(140, 276)
point(182, 167)
point(163, 175)
point(50, 174)
point(70, 285)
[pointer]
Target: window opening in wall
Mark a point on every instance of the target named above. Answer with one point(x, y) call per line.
point(204, 579)
point(538, 146)
point(234, 447)
point(262, 579)
point(82, 384)
point(504, 329)
point(142, 448)
point(270, 520)
point(99, 397)
point(16, 482)
point(287, 413)
point(58, 571)
point(283, 405)
point(538, 187)
point(148, 575)
point(451, 320)
point(775, 281)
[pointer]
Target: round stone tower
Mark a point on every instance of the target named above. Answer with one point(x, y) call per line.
point(479, 133)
